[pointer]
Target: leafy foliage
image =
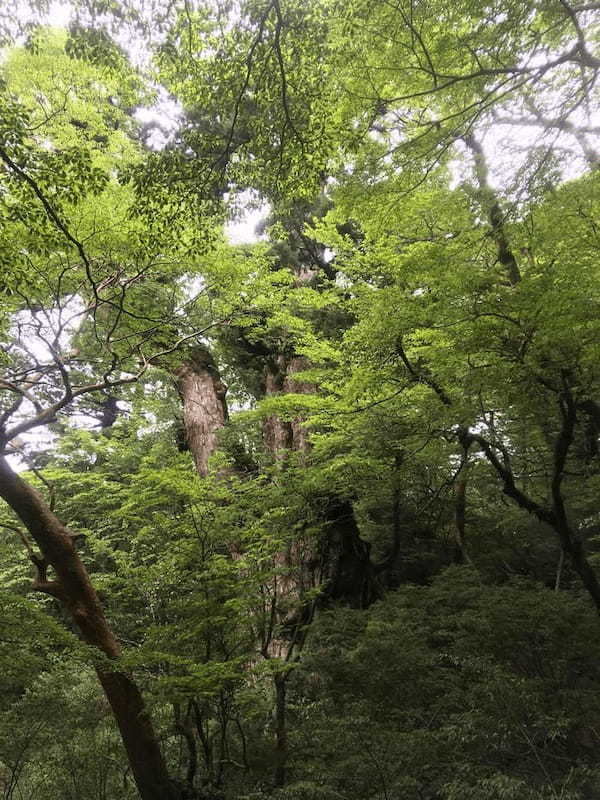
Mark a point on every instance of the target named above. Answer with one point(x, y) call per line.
point(384, 583)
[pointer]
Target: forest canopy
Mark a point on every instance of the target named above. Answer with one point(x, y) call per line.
point(299, 400)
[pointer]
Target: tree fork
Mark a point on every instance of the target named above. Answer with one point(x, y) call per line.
point(553, 517)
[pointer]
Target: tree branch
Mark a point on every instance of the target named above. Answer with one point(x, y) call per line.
point(506, 256)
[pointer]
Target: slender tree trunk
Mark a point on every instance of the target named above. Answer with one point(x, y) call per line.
point(204, 737)
point(555, 516)
point(460, 505)
point(576, 552)
point(281, 740)
point(73, 588)
point(491, 204)
point(460, 512)
point(184, 727)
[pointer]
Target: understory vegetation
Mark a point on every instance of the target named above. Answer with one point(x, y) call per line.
point(300, 400)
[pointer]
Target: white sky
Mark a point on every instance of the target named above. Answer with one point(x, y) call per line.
point(243, 230)
point(59, 15)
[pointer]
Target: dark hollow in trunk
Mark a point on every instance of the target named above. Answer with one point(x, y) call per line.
point(347, 572)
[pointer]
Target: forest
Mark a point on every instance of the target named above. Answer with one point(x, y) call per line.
point(299, 400)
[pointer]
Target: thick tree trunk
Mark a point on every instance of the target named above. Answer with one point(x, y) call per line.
point(347, 574)
point(340, 563)
point(72, 586)
point(277, 433)
point(280, 436)
point(204, 407)
point(291, 385)
point(143, 750)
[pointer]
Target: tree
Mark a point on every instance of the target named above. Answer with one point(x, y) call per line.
point(371, 393)
point(49, 193)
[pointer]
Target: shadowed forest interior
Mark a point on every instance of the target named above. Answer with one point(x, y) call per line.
point(299, 400)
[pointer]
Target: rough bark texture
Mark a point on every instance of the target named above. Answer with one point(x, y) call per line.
point(291, 385)
point(340, 563)
point(347, 573)
point(277, 433)
point(282, 436)
point(72, 586)
point(204, 407)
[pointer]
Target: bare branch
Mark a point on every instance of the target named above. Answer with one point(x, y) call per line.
point(506, 256)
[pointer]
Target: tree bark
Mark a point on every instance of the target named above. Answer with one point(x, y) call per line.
point(347, 573)
point(460, 510)
point(183, 727)
point(204, 408)
point(73, 588)
point(554, 516)
point(109, 413)
point(277, 433)
point(340, 562)
point(280, 436)
point(291, 385)
point(460, 500)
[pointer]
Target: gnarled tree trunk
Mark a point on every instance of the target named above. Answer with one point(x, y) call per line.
point(291, 385)
point(72, 586)
point(340, 563)
point(204, 408)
